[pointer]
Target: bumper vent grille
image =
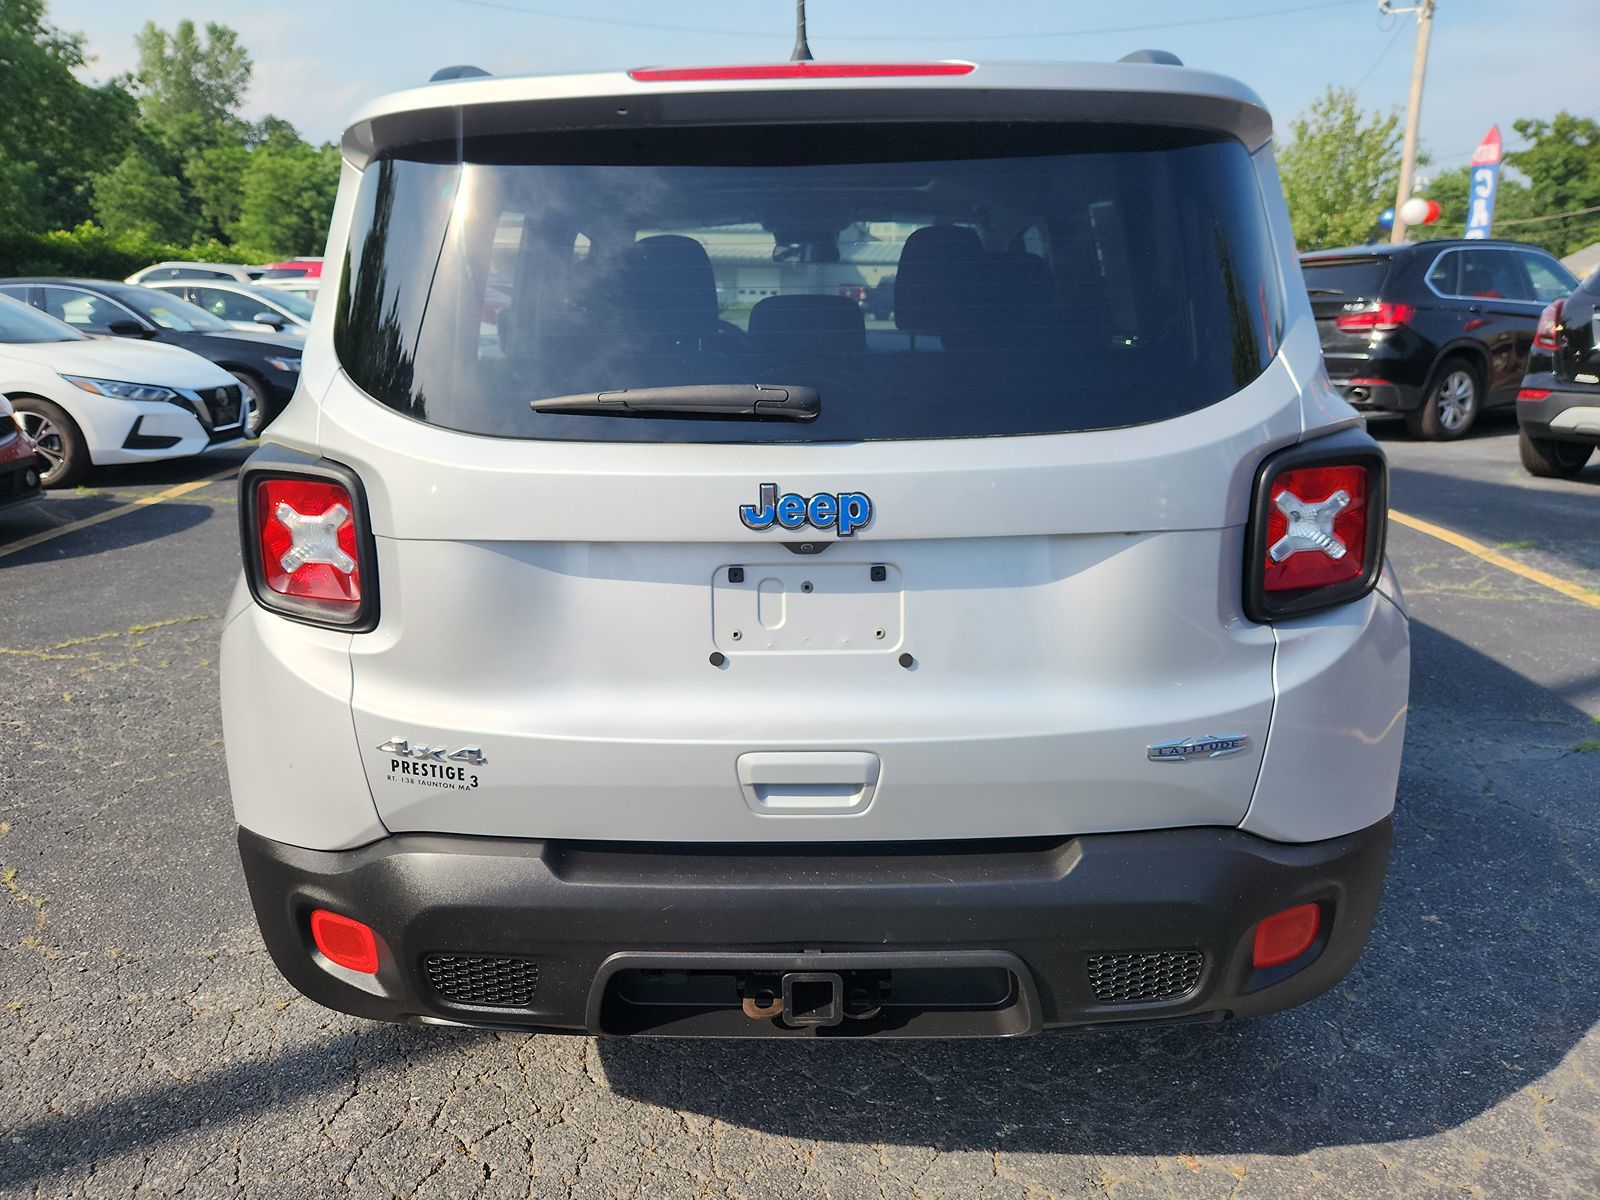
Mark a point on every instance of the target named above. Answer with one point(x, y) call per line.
point(489, 982)
point(1144, 976)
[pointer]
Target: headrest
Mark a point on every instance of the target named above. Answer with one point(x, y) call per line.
point(940, 265)
point(668, 288)
point(808, 323)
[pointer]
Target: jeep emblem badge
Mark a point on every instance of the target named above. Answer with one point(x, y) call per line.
point(844, 511)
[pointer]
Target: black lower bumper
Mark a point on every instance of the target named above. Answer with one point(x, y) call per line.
point(1373, 395)
point(914, 940)
point(1535, 415)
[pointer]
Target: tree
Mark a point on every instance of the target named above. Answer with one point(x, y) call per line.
point(137, 198)
point(1339, 170)
point(287, 198)
point(56, 132)
point(1562, 163)
point(1513, 199)
point(191, 89)
point(215, 176)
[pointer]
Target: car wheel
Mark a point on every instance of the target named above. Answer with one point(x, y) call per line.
point(58, 438)
point(253, 404)
point(1550, 459)
point(1452, 403)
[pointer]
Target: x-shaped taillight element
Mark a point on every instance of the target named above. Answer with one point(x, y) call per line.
point(1310, 525)
point(316, 539)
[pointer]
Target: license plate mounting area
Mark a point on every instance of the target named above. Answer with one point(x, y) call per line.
point(807, 608)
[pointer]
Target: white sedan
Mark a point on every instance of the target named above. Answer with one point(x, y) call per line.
point(93, 401)
point(244, 306)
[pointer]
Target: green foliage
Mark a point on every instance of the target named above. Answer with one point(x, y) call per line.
point(1340, 170)
point(1562, 163)
point(91, 252)
point(1450, 189)
point(138, 198)
point(191, 88)
point(216, 181)
point(56, 133)
point(288, 197)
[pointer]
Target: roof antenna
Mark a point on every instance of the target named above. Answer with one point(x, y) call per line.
point(802, 48)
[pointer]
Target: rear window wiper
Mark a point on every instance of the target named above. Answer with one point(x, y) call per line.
point(759, 401)
point(1323, 292)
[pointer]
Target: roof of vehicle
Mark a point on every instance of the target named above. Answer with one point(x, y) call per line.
point(1124, 92)
point(72, 280)
point(1386, 249)
point(195, 262)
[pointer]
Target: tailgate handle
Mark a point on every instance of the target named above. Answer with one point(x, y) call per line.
point(815, 783)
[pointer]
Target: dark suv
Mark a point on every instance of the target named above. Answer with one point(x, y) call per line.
point(1558, 409)
point(1437, 330)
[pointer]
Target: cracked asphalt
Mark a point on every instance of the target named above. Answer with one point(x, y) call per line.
point(149, 1048)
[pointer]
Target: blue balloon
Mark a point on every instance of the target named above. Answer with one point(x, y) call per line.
point(1386, 218)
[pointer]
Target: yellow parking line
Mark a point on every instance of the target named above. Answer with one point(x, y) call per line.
point(1478, 550)
point(170, 493)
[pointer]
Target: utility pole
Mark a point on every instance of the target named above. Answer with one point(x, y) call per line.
point(1419, 67)
point(802, 48)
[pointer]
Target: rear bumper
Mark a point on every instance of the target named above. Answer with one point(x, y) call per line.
point(650, 938)
point(1566, 414)
point(19, 469)
point(1371, 394)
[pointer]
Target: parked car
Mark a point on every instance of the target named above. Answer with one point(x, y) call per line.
point(880, 300)
point(1033, 664)
point(244, 306)
point(87, 401)
point(19, 458)
point(1558, 407)
point(266, 364)
point(162, 271)
point(293, 268)
point(1436, 331)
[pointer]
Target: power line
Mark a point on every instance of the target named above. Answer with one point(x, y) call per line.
point(1577, 212)
point(704, 31)
point(1394, 37)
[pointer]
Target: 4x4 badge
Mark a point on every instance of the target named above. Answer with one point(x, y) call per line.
point(844, 511)
point(1207, 745)
point(402, 748)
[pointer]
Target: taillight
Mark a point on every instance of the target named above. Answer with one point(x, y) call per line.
point(1534, 394)
point(799, 70)
point(1376, 318)
point(1317, 529)
point(307, 550)
point(1544, 338)
point(345, 941)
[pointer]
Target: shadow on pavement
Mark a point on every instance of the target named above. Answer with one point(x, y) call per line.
point(1473, 987)
point(131, 529)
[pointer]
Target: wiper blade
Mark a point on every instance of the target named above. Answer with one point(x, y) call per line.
point(759, 401)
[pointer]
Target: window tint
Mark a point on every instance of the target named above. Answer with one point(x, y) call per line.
point(196, 273)
point(1445, 274)
point(1044, 278)
point(1490, 274)
point(83, 310)
point(1551, 281)
point(21, 324)
point(1341, 278)
point(230, 306)
point(167, 309)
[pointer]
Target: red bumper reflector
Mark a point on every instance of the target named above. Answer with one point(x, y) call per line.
point(1284, 937)
point(345, 941)
point(798, 70)
point(1366, 383)
point(1534, 394)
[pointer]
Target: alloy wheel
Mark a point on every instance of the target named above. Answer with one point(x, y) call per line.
point(48, 441)
point(1456, 400)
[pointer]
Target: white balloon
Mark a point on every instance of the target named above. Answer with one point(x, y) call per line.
point(1414, 211)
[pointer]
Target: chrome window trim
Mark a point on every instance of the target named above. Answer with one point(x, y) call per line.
point(1539, 304)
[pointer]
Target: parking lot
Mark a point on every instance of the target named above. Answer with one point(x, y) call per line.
point(150, 1047)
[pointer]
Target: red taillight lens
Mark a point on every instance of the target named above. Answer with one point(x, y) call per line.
point(1534, 394)
point(1316, 528)
point(345, 941)
point(1376, 318)
point(798, 70)
point(1285, 936)
point(1544, 338)
point(307, 538)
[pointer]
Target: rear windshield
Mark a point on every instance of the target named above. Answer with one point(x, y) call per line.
point(925, 281)
point(1336, 278)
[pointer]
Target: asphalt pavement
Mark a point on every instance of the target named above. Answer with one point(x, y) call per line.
point(149, 1047)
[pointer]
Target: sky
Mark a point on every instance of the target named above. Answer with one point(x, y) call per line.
point(316, 61)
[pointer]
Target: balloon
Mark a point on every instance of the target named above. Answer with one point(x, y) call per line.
point(1433, 213)
point(1386, 218)
point(1415, 211)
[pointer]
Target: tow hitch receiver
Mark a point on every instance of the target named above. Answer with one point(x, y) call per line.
point(813, 998)
point(878, 994)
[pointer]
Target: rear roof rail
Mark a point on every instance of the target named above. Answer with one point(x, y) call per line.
point(1165, 57)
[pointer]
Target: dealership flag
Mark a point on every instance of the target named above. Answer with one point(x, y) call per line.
point(1484, 181)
